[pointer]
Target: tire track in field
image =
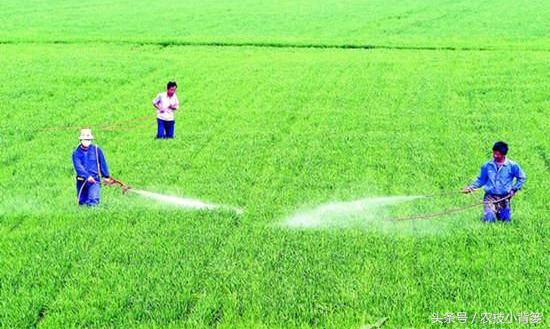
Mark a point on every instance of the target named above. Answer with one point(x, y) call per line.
point(227, 256)
point(62, 241)
point(67, 276)
point(544, 157)
point(344, 46)
point(217, 131)
point(40, 317)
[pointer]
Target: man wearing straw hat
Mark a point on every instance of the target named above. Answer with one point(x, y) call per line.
point(89, 163)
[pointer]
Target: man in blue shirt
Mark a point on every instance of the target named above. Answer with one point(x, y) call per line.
point(89, 162)
point(497, 178)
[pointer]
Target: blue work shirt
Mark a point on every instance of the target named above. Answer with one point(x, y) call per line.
point(500, 181)
point(86, 162)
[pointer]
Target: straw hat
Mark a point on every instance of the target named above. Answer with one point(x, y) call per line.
point(86, 133)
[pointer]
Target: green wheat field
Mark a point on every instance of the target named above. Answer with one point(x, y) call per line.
point(286, 106)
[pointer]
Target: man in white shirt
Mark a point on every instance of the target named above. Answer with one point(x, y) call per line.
point(166, 103)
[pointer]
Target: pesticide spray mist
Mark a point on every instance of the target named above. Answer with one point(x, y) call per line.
point(342, 214)
point(185, 202)
point(371, 214)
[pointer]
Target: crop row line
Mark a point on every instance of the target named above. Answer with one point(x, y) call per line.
point(269, 45)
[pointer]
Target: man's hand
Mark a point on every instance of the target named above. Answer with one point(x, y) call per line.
point(173, 107)
point(158, 108)
point(91, 180)
point(467, 190)
point(108, 181)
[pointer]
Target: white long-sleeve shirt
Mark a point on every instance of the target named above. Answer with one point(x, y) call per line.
point(164, 112)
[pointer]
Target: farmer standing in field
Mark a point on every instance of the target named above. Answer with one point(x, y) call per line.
point(89, 162)
point(497, 177)
point(166, 103)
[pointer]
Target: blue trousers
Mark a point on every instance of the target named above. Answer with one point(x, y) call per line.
point(165, 129)
point(496, 211)
point(89, 195)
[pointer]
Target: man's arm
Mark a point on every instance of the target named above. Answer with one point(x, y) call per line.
point(520, 178)
point(156, 102)
point(79, 167)
point(479, 181)
point(176, 104)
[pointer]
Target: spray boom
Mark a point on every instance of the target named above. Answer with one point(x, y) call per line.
point(115, 182)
